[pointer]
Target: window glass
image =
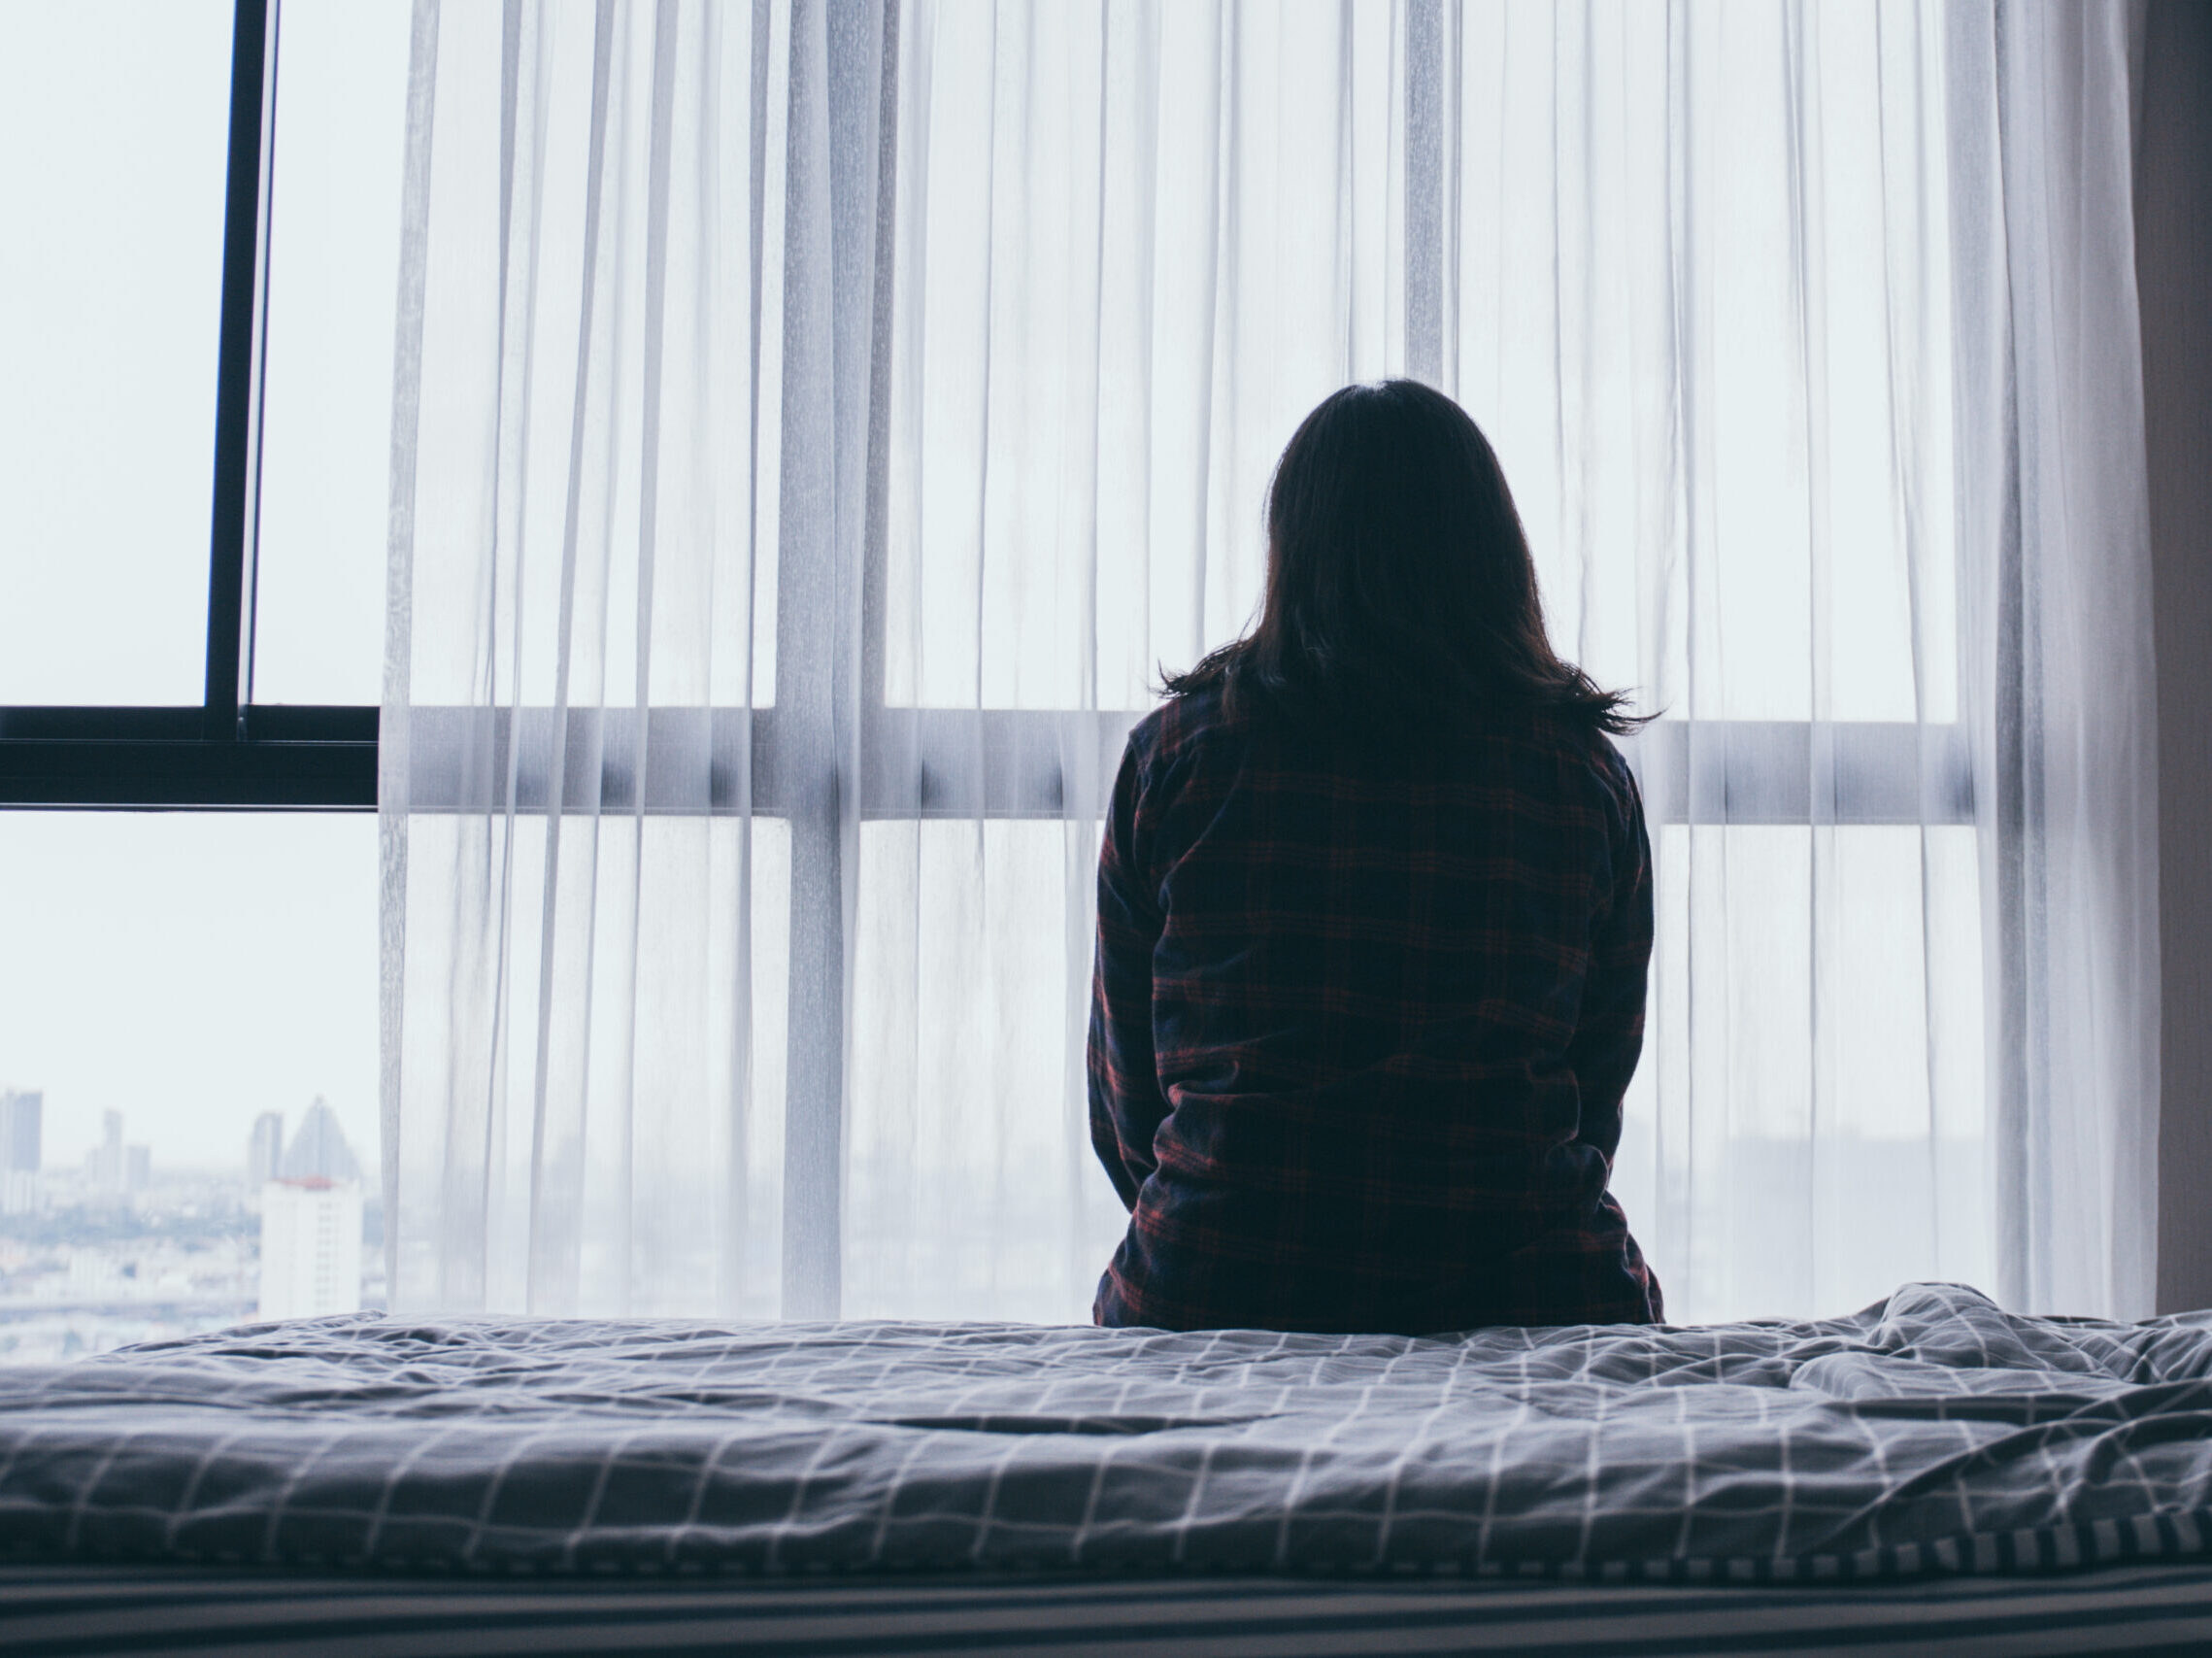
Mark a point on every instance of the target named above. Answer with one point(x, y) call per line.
point(326, 411)
point(657, 1118)
point(113, 124)
point(187, 1073)
point(1122, 282)
point(1096, 353)
point(971, 1190)
point(1756, 1137)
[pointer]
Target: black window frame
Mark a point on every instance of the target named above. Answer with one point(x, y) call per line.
point(229, 754)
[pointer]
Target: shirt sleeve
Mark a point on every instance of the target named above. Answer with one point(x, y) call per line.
point(1126, 1105)
point(1609, 1034)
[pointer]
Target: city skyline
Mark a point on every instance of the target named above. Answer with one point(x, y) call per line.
point(108, 1250)
point(57, 1153)
point(27, 1144)
point(191, 972)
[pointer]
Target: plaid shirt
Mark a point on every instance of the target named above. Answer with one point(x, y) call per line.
point(1360, 1026)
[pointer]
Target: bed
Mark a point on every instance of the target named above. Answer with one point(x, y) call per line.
point(1106, 1488)
point(50, 1611)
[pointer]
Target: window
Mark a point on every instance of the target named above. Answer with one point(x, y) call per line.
point(105, 367)
point(965, 662)
point(190, 993)
point(158, 330)
point(170, 983)
point(1813, 1067)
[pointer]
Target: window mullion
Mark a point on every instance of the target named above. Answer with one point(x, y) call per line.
point(239, 368)
point(844, 77)
point(1425, 190)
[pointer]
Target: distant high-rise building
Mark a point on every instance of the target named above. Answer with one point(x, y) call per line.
point(20, 1114)
point(107, 1161)
point(311, 1247)
point(138, 1167)
point(265, 1150)
point(318, 1150)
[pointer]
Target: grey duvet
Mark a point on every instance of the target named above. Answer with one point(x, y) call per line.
point(1930, 1433)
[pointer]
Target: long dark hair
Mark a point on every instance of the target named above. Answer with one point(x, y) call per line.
point(1399, 584)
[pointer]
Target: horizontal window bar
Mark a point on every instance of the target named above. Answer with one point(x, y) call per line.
point(195, 776)
point(996, 762)
point(992, 763)
point(309, 723)
point(1004, 763)
point(698, 760)
point(917, 763)
point(288, 759)
point(276, 722)
point(1795, 771)
point(102, 724)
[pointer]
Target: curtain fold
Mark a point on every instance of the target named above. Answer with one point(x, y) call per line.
point(1702, 310)
point(586, 923)
point(2056, 506)
point(820, 421)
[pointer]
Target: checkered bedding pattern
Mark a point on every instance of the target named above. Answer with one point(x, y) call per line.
point(1931, 1431)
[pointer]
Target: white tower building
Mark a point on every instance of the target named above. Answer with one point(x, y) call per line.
point(311, 1247)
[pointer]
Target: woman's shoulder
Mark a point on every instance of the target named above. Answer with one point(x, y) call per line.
point(1591, 764)
point(1551, 753)
point(1546, 751)
point(1595, 751)
point(1187, 719)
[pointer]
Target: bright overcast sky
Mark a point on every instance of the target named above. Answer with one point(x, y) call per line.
point(188, 971)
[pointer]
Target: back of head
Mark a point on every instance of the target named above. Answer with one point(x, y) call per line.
point(1400, 590)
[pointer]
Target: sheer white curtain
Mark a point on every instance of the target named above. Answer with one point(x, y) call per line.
point(2057, 610)
point(816, 425)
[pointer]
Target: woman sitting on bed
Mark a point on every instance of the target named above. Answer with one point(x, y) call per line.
point(1374, 912)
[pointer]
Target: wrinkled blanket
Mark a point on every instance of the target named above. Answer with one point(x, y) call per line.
point(1930, 1432)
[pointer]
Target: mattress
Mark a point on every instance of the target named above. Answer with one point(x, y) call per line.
point(217, 1611)
point(1930, 1434)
